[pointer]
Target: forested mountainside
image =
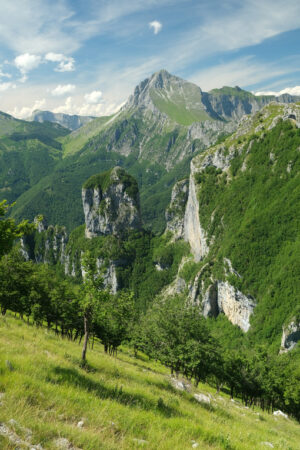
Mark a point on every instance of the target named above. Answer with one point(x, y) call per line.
point(238, 214)
point(29, 151)
point(163, 125)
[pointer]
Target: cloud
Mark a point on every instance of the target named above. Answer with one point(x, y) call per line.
point(25, 112)
point(4, 74)
point(288, 90)
point(156, 26)
point(65, 63)
point(93, 97)
point(54, 26)
point(86, 109)
point(27, 62)
point(63, 89)
point(6, 86)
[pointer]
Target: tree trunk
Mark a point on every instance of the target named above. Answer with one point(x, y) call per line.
point(86, 337)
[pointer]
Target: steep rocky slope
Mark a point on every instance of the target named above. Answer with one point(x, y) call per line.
point(242, 222)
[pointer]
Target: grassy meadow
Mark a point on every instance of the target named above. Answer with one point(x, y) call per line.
point(123, 402)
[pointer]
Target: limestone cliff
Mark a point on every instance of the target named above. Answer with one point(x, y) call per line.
point(46, 245)
point(216, 297)
point(176, 210)
point(111, 204)
point(193, 231)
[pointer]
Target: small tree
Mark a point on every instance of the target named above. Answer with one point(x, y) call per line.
point(92, 294)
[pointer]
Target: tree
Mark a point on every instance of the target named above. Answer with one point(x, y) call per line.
point(114, 320)
point(92, 295)
point(9, 230)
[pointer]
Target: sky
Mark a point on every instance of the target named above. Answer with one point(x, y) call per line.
point(86, 56)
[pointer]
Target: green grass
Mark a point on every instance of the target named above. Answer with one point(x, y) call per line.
point(184, 111)
point(119, 399)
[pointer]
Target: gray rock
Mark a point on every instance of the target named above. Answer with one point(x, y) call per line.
point(180, 384)
point(111, 209)
point(193, 231)
point(202, 398)
point(279, 413)
point(176, 210)
point(268, 444)
point(290, 336)
point(80, 424)
point(235, 305)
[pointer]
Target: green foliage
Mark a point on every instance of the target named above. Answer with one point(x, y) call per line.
point(10, 230)
point(254, 218)
point(28, 152)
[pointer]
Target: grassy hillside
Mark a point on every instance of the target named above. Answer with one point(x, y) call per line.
point(122, 401)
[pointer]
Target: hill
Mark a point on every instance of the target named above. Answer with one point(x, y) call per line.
point(47, 398)
point(28, 152)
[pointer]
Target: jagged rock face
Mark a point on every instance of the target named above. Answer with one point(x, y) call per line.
point(176, 210)
point(48, 245)
point(235, 305)
point(290, 336)
point(113, 207)
point(221, 297)
point(193, 231)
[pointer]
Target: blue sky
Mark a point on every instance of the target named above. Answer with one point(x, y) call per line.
point(86, 56)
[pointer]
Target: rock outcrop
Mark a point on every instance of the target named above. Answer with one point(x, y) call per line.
point(290, 336)
point(111, 204)
point(235, 305)
point(216, 297)
point(193, 231)
point(176, 210)
point(46, 245)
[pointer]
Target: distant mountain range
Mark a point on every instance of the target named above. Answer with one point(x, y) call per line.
point(72, 122)
point(165, 123)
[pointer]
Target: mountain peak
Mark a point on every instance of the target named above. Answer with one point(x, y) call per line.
point(162, 92)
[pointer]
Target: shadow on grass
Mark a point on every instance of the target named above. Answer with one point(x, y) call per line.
point(71, 376)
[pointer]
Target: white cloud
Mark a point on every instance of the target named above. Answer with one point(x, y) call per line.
point(6, 86)
point(93, 97)
point(156, 26)
point(288, 90)
point(53, 26)
point(65, 63)
point(27, 62)
point(4, 74)
point(63, 89)
point(25, 112)
point(86, 109)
